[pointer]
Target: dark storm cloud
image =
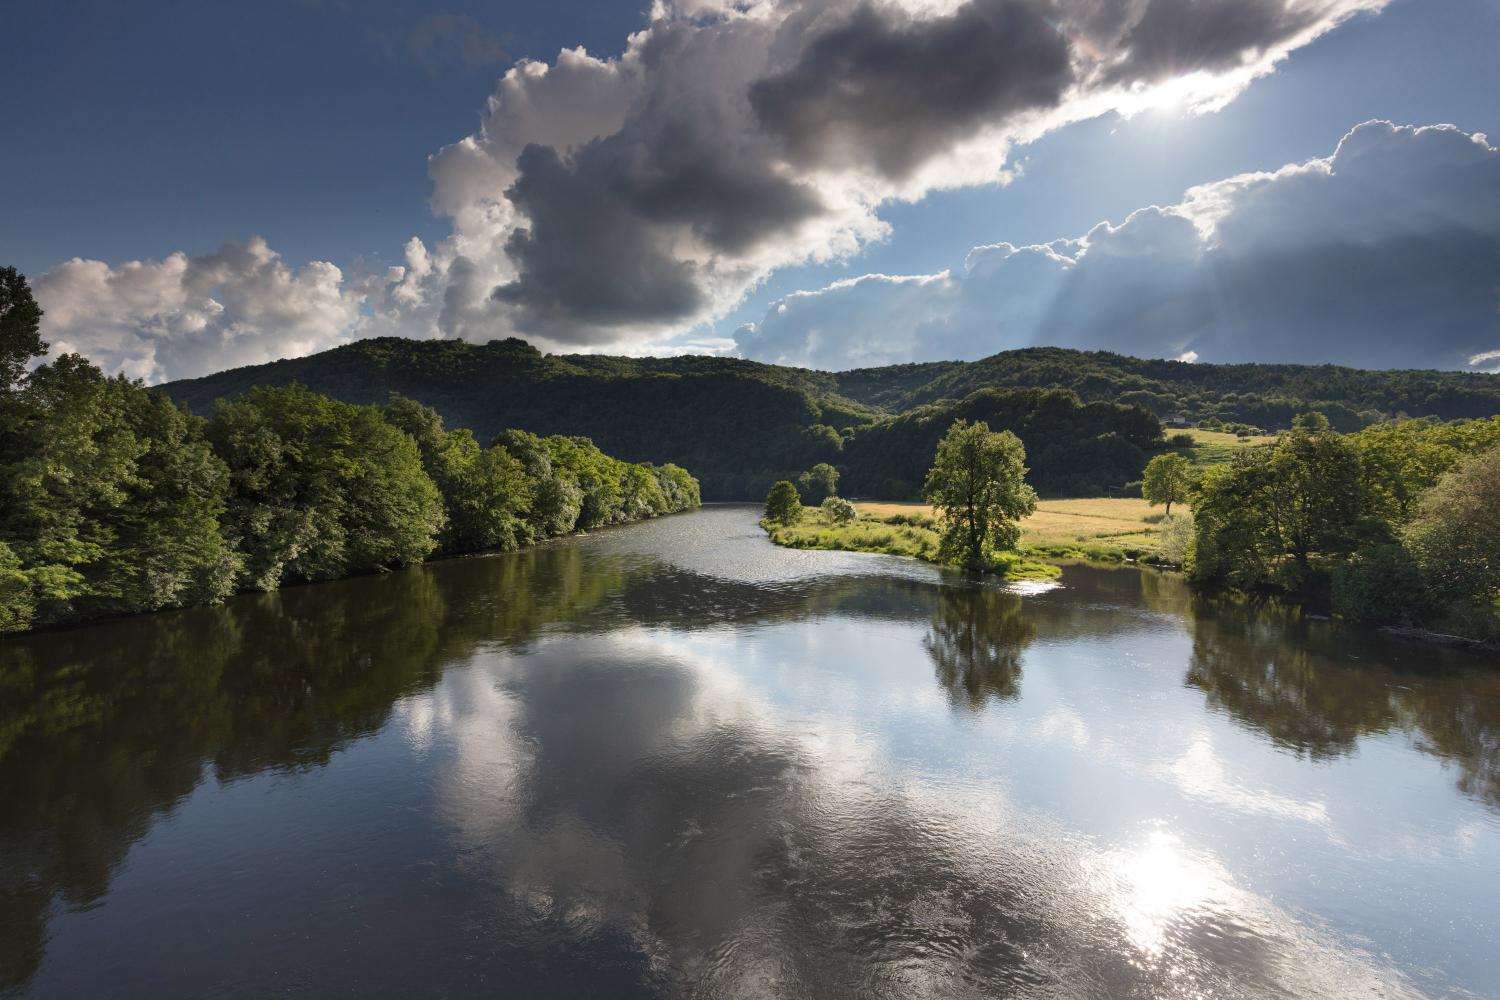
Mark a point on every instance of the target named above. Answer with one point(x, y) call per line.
point(1182, 36)
point(881, 86)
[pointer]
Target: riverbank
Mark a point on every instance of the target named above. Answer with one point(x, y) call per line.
point(893, 534)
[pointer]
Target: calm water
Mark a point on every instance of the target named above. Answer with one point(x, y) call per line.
point(674, 760)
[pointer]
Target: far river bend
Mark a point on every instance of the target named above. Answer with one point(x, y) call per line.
point(673, 760)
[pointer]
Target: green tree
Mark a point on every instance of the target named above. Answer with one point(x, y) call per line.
point(110, 498)
point(1454, 535)
point(1262, 518)
point(20, 328)
point(819, 483)
point(486, 492)
point(783, 503)
point(1166, 480)
point(978, 485)
point(321, 489)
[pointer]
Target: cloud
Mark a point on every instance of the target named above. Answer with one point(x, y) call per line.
point(1384, 254)
point(240, 304)
point(614, 204)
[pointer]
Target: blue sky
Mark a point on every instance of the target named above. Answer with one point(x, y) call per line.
point(140, 131)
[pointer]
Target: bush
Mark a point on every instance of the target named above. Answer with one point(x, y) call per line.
point(1176, 534)
point(1382, 585)
point(838, 510)
point(1180, 441)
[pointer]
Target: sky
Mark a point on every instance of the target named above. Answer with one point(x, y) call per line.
point(197, 186)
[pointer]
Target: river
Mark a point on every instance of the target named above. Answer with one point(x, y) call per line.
point(673, 760)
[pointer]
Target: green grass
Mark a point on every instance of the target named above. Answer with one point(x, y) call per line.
point(1215, 447)
point(1098, 529)
point(887, 534)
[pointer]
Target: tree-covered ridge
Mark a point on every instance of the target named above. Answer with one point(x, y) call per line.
point(1264, 395)
point(115, 499)
point(742, 425)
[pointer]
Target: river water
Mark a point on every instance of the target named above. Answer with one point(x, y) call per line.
point(673, 760)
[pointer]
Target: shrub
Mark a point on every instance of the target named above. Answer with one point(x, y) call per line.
point(1176, 534)
point(1180, 441)
point(838, 510)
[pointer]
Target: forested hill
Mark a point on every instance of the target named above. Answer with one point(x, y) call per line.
point(739, 425)
point(1264, 395)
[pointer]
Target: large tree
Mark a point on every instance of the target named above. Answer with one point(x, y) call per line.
point(1166, 480)
point(978, 485)
point(20, 328)
point(1263, 518)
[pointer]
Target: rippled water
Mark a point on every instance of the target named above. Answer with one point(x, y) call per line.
point(674, 760)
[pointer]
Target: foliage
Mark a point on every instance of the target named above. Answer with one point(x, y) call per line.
point(1401, 460)
point(321, 489)
point(1381, 584)
point(1454, 534)
point(1175, 538)
point(819, 483)
point(20, 328)
point(978, 485)
point(110, 499)
point(837, 510)
point(1166, 480)
point(783, 504)
point(1261, 519)
point(486, 492)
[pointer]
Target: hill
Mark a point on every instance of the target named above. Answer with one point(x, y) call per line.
point(1089, 419)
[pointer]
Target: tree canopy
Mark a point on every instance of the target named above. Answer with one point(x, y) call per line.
point(978, 485)
point(1166, 480)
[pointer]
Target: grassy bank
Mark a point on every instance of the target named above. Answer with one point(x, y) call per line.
point(896, 535)
point(1100, 529)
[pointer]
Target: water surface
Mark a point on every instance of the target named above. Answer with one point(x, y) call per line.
point(672, 760)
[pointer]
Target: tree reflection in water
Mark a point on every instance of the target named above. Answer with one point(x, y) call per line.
point(1317, 689)
point(977, 640)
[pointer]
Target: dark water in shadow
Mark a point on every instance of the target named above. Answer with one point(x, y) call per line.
point(673, 760)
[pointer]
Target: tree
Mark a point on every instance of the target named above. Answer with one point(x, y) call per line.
point(110, 500)
point(321, 489)
point(819, 483)
point(1166, 480)
point(783, 503)
point(20, 328)
point(978, 485)
point(838, 510)
point(1454, 535)
point(485, 491)
point(1263, 517)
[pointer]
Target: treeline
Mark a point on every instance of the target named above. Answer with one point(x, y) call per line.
point(741, 425)
point(1073, 448)
point(114, 499)
point(1269, 396)
point(1397, 524)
